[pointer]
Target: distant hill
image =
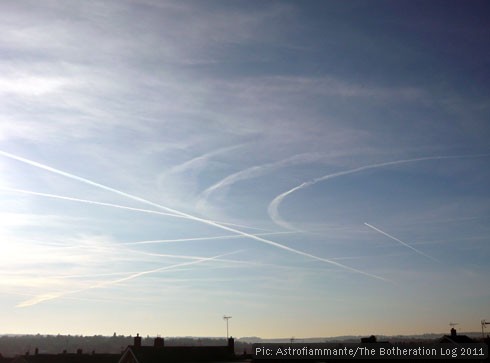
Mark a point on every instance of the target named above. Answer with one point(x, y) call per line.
point(356, 338)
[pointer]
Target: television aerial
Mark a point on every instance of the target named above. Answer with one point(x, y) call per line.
point(483, 326)
point(227, 318)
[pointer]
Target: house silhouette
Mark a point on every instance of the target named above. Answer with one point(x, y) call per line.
point(454, 338)
point(158, 352)
point(78, 357)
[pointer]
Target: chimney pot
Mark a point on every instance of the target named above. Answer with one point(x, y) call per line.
point(159, 342)
point(453, 332)
point(137, 341)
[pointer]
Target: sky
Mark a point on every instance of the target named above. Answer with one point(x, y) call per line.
point(310, 169)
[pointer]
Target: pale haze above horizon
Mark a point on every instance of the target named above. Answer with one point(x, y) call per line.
point(309, 168)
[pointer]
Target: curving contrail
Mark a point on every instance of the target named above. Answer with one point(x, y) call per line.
point(273, 208)
point(401, 242)
point(256, 171)
point(186, 215)
point(201, 160)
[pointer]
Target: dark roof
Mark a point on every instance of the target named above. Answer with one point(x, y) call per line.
point(456, 339)
point(67, 358)
point(148, 354)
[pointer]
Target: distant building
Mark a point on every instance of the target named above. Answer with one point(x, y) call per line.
point(454, 338)
point(159, 353)
point(78, 357)
point(371, 339)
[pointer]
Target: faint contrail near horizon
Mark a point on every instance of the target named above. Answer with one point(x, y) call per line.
point(45, 297)
point(401, 242)
point(186, 215)
point(273, 208)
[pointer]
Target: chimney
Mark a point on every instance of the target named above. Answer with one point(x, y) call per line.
point(137, 341)
point(453, 332)
point(231, 345)
point(159, 342)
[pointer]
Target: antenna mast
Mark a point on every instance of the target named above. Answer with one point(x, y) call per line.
point(483, 323)
point(227, 318)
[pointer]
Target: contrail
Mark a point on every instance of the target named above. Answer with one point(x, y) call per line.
point(400, 241)
point(258, 170)
point(87, 201)
point(45, 297)
point(273, 208)
point(186, 215)
point(231, 236)
point(202, 159)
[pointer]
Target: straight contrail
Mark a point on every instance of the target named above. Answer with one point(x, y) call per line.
point(93, 202)
point(273, 208)
point(186, 215)
point(86, 201)
point(45, 297)
point(401, 242)
point(230, 236)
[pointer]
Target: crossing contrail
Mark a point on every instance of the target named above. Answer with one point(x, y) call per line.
point(51, 296)
point(273, 208)
point(186, 215)
point(231, 236)
point(86, 201)
point(93, 202)
point(401, 242)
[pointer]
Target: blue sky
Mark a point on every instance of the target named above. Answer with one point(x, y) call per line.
point(310, 168)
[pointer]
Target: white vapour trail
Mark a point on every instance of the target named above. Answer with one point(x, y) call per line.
point(401, 242)
point(186, 215)
point(257, 171)
point(45, 297)
point(87, 201)
point(199, 161)
point(231, 236)
point(273, 208)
